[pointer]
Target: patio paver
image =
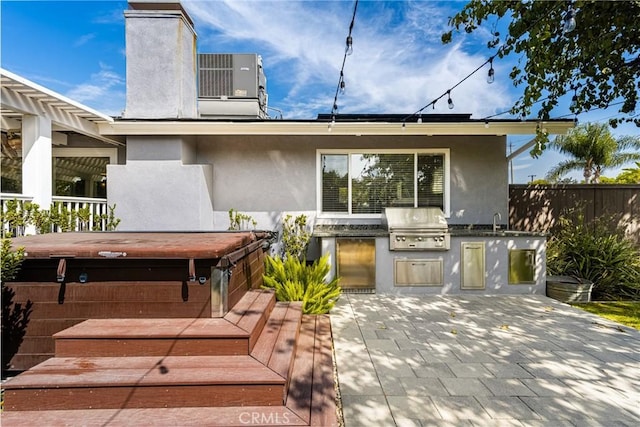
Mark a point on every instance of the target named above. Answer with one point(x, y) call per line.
point(523, 360)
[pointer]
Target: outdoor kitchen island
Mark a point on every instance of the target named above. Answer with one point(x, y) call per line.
point(436, 258)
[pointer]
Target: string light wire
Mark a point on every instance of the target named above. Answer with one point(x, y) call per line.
point(349, 48)
point(447, 93)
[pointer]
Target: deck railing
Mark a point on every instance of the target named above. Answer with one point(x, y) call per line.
point(65, 214)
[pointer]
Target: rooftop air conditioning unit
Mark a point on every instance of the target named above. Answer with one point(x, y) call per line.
point(231, 85)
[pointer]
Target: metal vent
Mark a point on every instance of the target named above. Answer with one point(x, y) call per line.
point(358, 290)
point(215, 75)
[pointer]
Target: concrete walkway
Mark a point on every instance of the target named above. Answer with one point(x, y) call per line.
point(483, 361)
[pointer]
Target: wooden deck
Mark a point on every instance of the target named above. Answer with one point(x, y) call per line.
point(264, 363)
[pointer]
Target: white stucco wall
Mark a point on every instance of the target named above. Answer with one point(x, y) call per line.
point(271, 174)
point(161, 196)
point(161, 188)
point(161, 65)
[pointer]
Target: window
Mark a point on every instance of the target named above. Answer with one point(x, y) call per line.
point(11, 168)
point(363, 183)
point(81, 172)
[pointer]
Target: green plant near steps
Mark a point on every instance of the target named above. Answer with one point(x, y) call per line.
point(15, 316)
point(295, 236)
point(239, 221)
point(294, 280)
point(593, 252)
point(11, 261)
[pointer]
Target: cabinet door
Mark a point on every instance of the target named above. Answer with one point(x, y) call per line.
point(473, 265)
point(356, 263)
point(522, 266)
point(418, 272)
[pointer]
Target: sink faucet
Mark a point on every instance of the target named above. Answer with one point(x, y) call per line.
point(495, 224)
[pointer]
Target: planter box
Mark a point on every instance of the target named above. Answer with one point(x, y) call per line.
point(569, 289)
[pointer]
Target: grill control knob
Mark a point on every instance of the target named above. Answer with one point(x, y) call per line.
point(403, 238)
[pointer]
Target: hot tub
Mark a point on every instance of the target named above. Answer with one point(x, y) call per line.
point(71, 277)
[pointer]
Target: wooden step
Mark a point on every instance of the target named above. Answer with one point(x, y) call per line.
point(99, 300)
point(235, 334)
point(310, 398)
point(276, 346)
point(152, 337)
point(144, 382)
point(311, 393)
point(158, 417)
point(251, 313)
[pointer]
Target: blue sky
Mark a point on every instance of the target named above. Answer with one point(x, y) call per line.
point(77, 48)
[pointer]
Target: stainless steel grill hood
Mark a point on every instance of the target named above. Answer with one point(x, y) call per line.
point(423, 228)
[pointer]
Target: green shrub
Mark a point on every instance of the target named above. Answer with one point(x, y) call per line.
point(294, 280)
point(17, 216)
point(295, 236)
point(593, 252)
point(239, 221)
point(15, 316)
point(11, 261)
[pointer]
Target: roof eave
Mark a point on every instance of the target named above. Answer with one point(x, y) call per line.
point(276, 127)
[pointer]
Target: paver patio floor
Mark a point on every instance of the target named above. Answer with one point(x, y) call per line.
point(522, 360)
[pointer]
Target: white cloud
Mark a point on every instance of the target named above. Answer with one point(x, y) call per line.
point(84, 39)
point(104, 91)
point(398, 65)
point(523, 166)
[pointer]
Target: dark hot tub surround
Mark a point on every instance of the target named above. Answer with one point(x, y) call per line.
point(71, 277)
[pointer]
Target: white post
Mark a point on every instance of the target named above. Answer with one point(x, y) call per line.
point(37, 159)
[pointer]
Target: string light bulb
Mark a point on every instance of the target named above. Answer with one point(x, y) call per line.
point(341, 87)
point(420, 118)
point(449, 100)
point(491, 75)
point(569, 19)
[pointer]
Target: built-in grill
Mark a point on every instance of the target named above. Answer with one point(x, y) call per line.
point(417, 229)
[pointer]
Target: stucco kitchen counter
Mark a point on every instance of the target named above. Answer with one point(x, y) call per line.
point(487, 232)
point(358, 230)
point(350, 230)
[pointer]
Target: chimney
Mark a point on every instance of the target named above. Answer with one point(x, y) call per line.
point(161, 61)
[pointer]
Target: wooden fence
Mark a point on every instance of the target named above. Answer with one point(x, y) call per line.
point(539, 207)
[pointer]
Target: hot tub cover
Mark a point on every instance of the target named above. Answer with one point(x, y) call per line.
point(168, 245)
